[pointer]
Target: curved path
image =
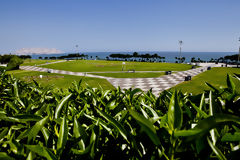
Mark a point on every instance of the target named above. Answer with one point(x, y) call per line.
point(156, 84)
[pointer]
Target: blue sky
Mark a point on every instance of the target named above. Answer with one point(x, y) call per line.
point(119, 25)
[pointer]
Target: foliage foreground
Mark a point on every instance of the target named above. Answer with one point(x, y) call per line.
point(90, 123)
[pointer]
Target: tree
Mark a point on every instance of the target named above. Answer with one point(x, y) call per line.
point(135, 54)
point(193, 59)
point(14, 63)
point(39, 57)
point(25, 56)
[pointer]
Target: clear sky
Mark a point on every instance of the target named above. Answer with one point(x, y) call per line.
point(119, 25)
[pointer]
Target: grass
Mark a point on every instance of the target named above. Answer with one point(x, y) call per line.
point(217, 77)
point(100, 66)
point(59, 80)
point(132, 75)
point(32, 62)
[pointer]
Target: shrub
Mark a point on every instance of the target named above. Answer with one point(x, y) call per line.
point(14, 63)
point(88, 123)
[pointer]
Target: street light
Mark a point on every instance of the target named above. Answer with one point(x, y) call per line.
point(180, 44)
point(238, 53)
point(76, 48)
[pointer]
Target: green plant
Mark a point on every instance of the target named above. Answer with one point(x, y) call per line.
point(14, 63)
point(89, 123)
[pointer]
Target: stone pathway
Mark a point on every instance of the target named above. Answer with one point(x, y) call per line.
point(40, 69)
point(157, 84)
point(47, 63)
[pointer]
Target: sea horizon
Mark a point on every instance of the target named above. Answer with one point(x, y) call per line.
point(169, 55)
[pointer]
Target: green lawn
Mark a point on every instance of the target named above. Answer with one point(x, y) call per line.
point(59, 80)
point(100, 66)
point(216, 77)
point(32, 62)
point(132, 75)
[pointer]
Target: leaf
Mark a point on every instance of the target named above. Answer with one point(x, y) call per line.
point(27, 117)
point(30, 156)
point(37, 127)
point(202, 102)
point(211, 112)
point(92, 142)
point(15, 88)
point(42, 151)
point(151, 109)
point(13, 106)
point(62, 139)
point(219, 154)
point(211, 109)
point(237, 76)
point(228, 137)
point(164, 122)
point(24, 134)
point(112, 105)
point(136, 90)
point(4, 156)
point(142, 119)
point(45, 133)
point(147, 126)
point(230, 84)
point(82, 151)
point(20, 118)
point(78, 130)
point(200, 112)
point(211, 86)
point(101, 122)
point(115, 123)
point(3, 133)
point(174, 113)
point(60, 105)
point(184, 133)
point(205, 125)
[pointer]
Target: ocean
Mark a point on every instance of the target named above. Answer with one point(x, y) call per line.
point(169, 56)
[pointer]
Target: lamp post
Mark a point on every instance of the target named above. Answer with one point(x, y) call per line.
point(238, 53)
point(180, 44)
point(76, 50)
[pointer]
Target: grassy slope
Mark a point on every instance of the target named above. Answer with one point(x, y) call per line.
point(217, 77)
point(32, 62)
point(59, 80)
point(99, 65)
point(131, 75)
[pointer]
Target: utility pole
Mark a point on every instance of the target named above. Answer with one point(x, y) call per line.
point(180, 52)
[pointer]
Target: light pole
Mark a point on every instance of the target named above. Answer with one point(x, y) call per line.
point(238, 53)
point(180, 44)
point(76, 50)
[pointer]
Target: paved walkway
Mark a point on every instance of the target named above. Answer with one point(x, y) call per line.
point(157, 84)
point(47, 63)
point(40, 69)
